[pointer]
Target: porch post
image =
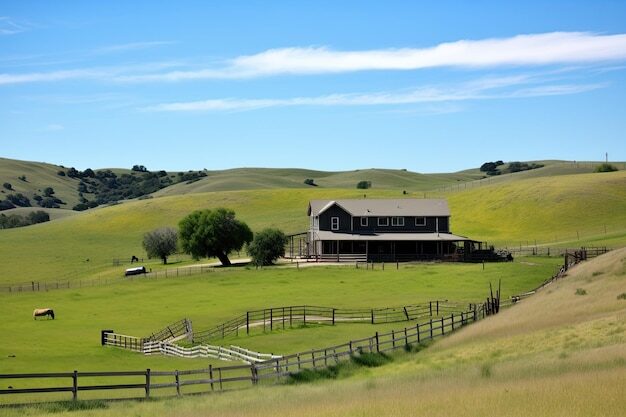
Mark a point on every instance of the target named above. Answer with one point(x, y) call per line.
point(337, 251)
point(367, 250)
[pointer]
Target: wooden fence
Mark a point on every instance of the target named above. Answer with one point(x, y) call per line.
point(232, 377)
point(283, 317)
point(175, 331)
point(232, 353)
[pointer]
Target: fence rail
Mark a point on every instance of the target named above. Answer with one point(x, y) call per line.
point(283, 317)
point(229, 377)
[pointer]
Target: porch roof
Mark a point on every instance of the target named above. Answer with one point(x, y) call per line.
point(423, 237)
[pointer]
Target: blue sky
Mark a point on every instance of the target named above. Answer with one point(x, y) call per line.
point(432, 87)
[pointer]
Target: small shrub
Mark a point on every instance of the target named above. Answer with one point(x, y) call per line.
point(8, 186)
point(485, 370)
point(605, 168)
point(622, 296)
point(22, 178)
point(61, 173)
point(371, 360)
point(364, 185)
point(310, 181)
point(581, 291)
point(80, 207)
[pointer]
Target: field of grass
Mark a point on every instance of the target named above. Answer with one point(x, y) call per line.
point(140, 307)
point(567, 210)
point(554, 354)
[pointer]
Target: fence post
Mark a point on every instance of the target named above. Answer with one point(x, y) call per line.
point(148, 383)
point(393, 339)
point(219, 373)
point(211, 376)
point(176, 375)
point(452, 316)
point(253, 373)
point(442, 327)
point(304, 313)
point(431, 328)
point(377, 341)
point(333, 316)
point(430, 308)
point(247, 322)
point(437, 307)
point(271, 319)
point(372, 316)
point(75, 385)
point(417, 330)
point(406, 337)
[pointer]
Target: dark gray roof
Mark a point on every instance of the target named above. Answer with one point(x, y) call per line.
point(384, 207)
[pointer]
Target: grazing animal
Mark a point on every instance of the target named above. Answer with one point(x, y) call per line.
point(39, 312)
point(134, 259)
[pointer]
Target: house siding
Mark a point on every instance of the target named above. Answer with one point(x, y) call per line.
point(409, 225)
point(335, 211)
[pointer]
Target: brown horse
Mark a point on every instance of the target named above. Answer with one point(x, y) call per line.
point(39, 312)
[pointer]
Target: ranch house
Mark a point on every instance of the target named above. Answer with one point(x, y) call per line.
point(383, 230)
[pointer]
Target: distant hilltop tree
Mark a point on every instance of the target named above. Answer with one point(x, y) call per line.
point(605, 168)
point(139, 168)
point(364, 185)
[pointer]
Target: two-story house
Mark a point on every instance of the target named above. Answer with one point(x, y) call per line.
point(381, 230)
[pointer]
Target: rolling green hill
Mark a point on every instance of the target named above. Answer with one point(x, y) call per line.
point(570, 210)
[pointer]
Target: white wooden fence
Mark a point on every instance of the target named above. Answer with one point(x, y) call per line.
point(233, 353)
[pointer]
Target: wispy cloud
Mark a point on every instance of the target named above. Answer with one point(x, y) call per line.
point(54, 127)
point(486, 88)
point(9, 26)
point(554, 48)
point(522, 50)
point(132, 46)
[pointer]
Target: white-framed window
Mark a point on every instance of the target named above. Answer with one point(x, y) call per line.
point(334, 223)
point(383, 221)
point(364, 221)
point(397, 221)
point(420, 221)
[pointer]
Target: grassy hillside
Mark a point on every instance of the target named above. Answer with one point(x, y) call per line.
point(551, 210)
point(39, 175)
point(554, 354)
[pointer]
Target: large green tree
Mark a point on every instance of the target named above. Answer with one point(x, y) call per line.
point(268, 245)
point(161, 243)
point(213, 233)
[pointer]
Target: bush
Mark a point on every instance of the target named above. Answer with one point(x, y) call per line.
point(488, 167)
point(8, 186)
point(6, 205)
point(364, 185)
point(581, 291)
point(268, 245)
point(605, 168)
point(310, 181)
point(48, 191)
point(371, 360)
point(19, 200)
point(38, 216)
point(80, 207)
point(622, 296)
point(61, 173)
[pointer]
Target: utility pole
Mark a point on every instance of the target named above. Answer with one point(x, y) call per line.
point(606, 156)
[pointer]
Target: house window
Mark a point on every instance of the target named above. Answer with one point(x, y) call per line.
point(364, 221)
point(383, 221)
point(397, 221)
point(420, 221)
point(334, 223)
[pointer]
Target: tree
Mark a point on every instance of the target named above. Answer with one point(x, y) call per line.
point(268, 245)
point(605, 168)
point(48, 191)
point(161, 243)
point(364, 185)
point(310, 181)
point(8, 186)
point(213, 233)
point(488, 167)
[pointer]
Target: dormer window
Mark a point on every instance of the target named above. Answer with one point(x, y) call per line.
point(363, 221)
point(334, 223)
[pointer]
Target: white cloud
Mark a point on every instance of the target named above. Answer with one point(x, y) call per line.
point(485, 88)
point(521, 50)
point(555, 48)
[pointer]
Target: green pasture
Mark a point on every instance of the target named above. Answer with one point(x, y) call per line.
point(554, 354)
point(140, 306)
